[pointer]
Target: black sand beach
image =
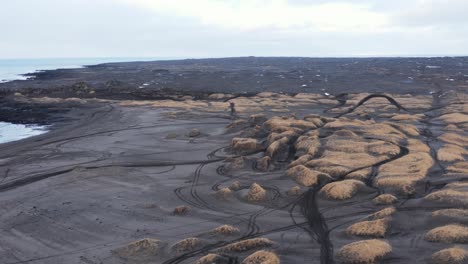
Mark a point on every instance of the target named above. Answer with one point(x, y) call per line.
point(145, 161)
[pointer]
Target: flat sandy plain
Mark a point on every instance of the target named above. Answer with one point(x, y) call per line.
point(285, 178)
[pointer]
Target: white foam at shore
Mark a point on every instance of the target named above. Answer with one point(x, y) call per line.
point(12, 132)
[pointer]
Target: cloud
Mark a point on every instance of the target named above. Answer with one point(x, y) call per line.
point(248, 15)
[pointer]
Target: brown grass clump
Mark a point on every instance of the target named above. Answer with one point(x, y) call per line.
point(294, 191)
point(454, 118)
point(384, 213)
point(263, 164)
point(402, 174)
point(181, 210)
point(407, 117)
point(256, 193)
point(235, 186)
point(236, 163)
point(453, 255)
point(307, 145)
point(301, 160)
point(384, 199)
point(140, 249)
point(290, 135)
point(244, 145)
point(227, 230)
point(364, 251)
point(374, 228)
point(248, 244)
point(224, 193)
point(275, 122)
point(451, 196)
point(213, 259)
point(459, 167)
point(451, 153)
point(342, 190)
point(338, 163)
point(262, 257)
point(279, 149)
point(187, 244)
point(455, 138)
point(408, 129)
point(416, 145)
point(453, 233)
point(458, 215)
point(305, 176)
point(383, 148)
point(359, 174)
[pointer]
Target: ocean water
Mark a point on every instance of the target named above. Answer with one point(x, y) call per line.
point(12, 132)
point(11, 69)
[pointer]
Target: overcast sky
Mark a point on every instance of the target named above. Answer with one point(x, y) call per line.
point(217, 28)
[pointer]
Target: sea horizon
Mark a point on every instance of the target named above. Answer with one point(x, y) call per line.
point(15, 69)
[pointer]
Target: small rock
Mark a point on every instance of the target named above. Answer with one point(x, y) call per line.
point(194, 133)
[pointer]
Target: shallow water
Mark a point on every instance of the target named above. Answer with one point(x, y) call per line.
point(12, 132)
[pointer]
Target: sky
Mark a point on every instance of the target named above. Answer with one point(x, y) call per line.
point(228, 28)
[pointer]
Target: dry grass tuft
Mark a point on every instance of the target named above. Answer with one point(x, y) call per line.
point(256, 193)
point(459, 167)
point(384, 213)
point(453, 233)
point(301, 160)
point(402, 174)
point(453, 255)
point(454, 118)
point(374, 228)
point(408, 129)
point(263, 164)
point(279, 149)
point(235, 186)
point(416, 145)
point(458, 215)
point(359, 174)
point(290, 135)
point(294, 191)
point(224, 193)
point(342, 190)
point(384, 199)
point(262, 257)
point(235, 163)
point(248, 244)
point(187, 244)
point(275, 122)
point(244, 145)
point(451, 153)
point(451, 196)
point(307, 145)
point(364, 251)
point(227, 230)
point(181, 210)
point(407, 117)
point(307, 177)
point(455, 138)
point(213, 259)
point(140, 249)
point(338, 163)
